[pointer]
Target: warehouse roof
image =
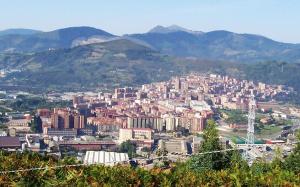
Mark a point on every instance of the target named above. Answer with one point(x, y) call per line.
point(106, 158)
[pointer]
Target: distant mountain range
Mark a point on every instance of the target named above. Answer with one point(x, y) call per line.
point(78, 58)
point(122, 62)
point(218, 45)
point(172, 40)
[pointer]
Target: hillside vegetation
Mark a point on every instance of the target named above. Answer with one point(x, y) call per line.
point(17, 41)
point(125, 63)
point(116, 63)
point(172, 40)
point(218, 45)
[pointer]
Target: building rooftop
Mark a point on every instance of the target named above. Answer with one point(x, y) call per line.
point(9, 142)
point(106, 158)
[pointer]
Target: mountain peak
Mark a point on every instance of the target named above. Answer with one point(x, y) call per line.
point(81, 31)
point(170, 29)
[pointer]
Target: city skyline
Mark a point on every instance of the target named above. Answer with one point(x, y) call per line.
point(273, 19)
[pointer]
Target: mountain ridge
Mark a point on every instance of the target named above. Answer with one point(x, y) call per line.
point(19, 31)
point(171, 28)
point(122, 62)
point(220, 45)
point(56, 39)
point(172, 40)
point(116, 62)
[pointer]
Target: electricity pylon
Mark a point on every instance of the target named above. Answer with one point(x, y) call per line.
point(251, 121)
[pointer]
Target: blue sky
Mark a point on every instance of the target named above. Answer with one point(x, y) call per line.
point(277, 19)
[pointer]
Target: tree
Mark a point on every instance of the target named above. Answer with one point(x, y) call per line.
point(146, 149)
point(162, 151)
point(184, 131)
point(36, 124)
point(292, 162)
point(209, 161)
point(177, 174)
point(128, 147)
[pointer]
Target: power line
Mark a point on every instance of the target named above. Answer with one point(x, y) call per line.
point(40, 168)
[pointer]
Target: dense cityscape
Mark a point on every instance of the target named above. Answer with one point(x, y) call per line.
point(165, 117)
point(149, 93)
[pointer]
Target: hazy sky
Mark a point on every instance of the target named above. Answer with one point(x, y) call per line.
point(277, 19)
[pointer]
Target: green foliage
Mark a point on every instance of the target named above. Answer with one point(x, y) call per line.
point(215, 45)
point(28, 103)
point(293, 160)
point(267, 129)
point(146, 149)
point(180, 174)
point(162, 150)
point(235, 116)
point(109, 64)
point(42, 41)
point(36, 124)
point(214, 161)
point(128, 147)
point(184, 131)
point(122, 62)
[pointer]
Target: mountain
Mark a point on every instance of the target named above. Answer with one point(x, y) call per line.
point(19, 32)
point(113, 63)
point(218, 45)
point(172, 40)
point(89, 58)
point(170, 29)
point(122, 62)
point(57, 39)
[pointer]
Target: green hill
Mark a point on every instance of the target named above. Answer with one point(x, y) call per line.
point(172, 40)
point(125, 63)
point(218, 45)
point(57, 39)
point(119, 62)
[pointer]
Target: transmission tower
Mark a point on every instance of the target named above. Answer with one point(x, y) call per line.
point(251, 121)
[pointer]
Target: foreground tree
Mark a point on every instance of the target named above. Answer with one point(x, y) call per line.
point(208, 159)
point(259, 174)
point(292, 162)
